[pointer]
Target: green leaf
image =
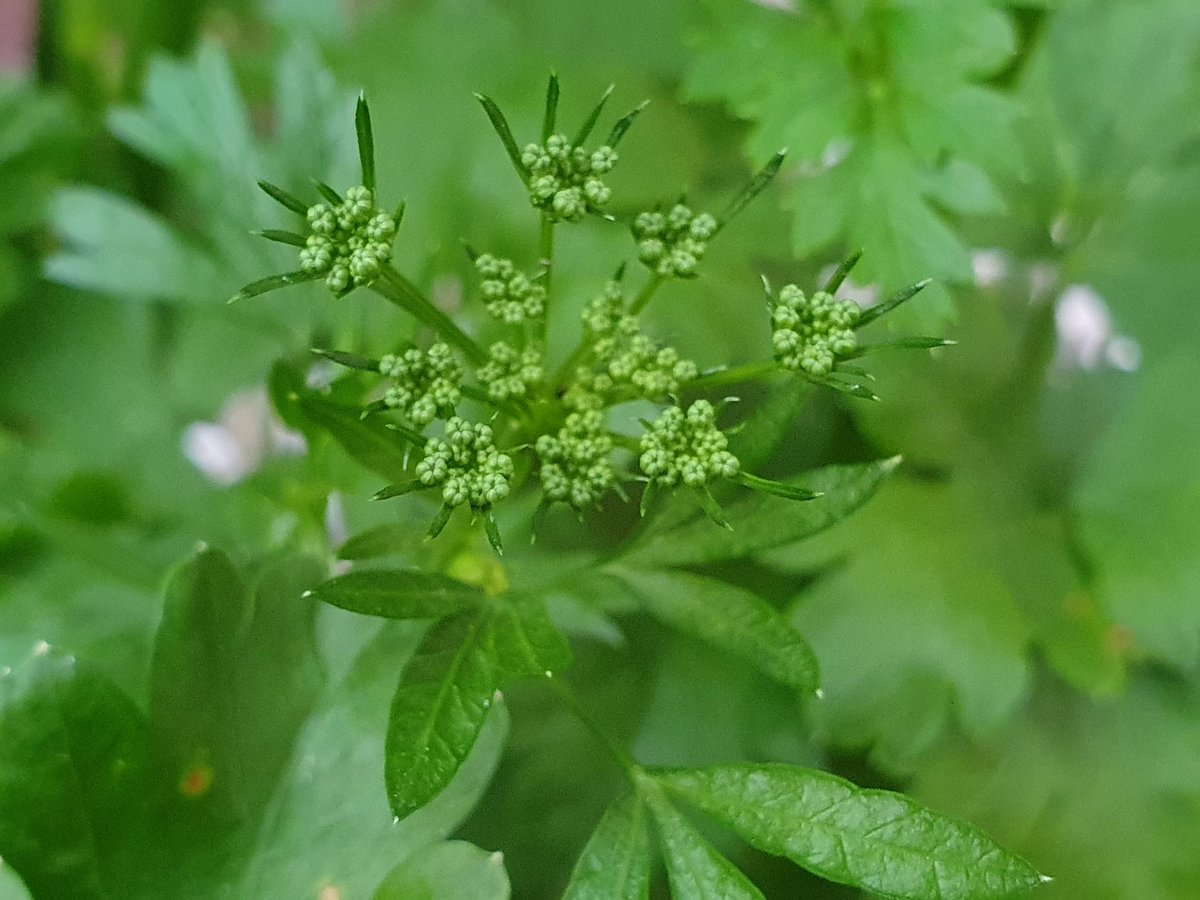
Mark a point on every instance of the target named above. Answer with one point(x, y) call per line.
point(695, 868)
point(399, 594)
point(116, 247)
point(550, 110)
point(383, 540)
point(366, 143)
point(273, 283)
point(762, 522)
point(624, 123)
point(231, 668)
point(877, 840)
point(444, 697)
point(756, 186)
point(283, 237)
point(368, 441)
point(594, 116)
point(764, 429)
point(615, 864)
point(525, 642)
point(454, 870)
point(73, 780)
point(730, 619)
point(776, 488)
point(901, 296)
point(282, 197)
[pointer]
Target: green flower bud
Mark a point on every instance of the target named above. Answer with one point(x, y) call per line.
point(809, 333)
point(686, 447)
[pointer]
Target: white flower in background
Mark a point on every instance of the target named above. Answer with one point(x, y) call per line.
point(1086, 337)
point(244, 435)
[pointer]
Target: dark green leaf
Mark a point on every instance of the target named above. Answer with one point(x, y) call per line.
point(762, 522)
point(836, 279)
point(368, 441)
point(871, 313)
point(500, 124)
point(349, 360)
point(399, 490)
point(73, 780)
point(332, 197)
point(440, 706)
point(550, 113)
point(623, 124)
point(615, 864)
point(909, 343)
point(283, 237)
point(399, 594)
point(761, 433)
point(274, 283)
point(366, 143)
point(876, 840)
point(730, 619)
point(756, 186)
point(525, 642)
point(279, 195)
point(593, 117)
point(776, 488)
point(695, 868)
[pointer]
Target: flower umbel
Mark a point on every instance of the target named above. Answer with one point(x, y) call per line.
point(672, 244)
point(810, 333)
point(686, 448)
point(427, 384)
point(349, 241)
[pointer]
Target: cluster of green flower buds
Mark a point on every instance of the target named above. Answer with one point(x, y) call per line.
point(575, 466)
point(427, 384)
point(672, 244)
point(686, 448)
point(467, 466)
point(629, 361)
point(809, 333)
point(566, 181)
point(509, 295)
point(508, 373)
point(348, 242)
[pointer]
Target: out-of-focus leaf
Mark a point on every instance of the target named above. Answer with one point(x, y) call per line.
point(884, 842)
point(730, 619)
point(761, 522)
point(695, 868)
point(615, 864)
point(912, 623)
point(453, 870)
point(1119, 775)
point(74, 782)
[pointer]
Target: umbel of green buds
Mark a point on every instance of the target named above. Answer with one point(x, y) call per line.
point(808, 334)
point(672, 244)
point(686, 448)
point(566, 181)
point(575, 466)
point(467, 466)
point(427, 383)
point(349, 241)
point(509, 373)
point(508, 294)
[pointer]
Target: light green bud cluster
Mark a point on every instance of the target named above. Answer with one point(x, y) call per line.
point(809, 333)
point(509, 373)
point(467, 465)
point(428, 384)
point(672, 244)
point(348, 242)
point(509, 295)
point(629, 361)
point(566, 181)
point(686, 447)
point(575, 466)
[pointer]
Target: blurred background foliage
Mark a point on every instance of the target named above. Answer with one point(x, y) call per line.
point(1010, 630)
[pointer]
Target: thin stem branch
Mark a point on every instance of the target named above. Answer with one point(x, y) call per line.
point(619, 753)
point(644, 295)
point(546, 254)
point(399, 290)
point(735, 375)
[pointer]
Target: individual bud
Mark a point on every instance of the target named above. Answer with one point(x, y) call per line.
point(679, 217)
point(568, 205)
point(603, 159)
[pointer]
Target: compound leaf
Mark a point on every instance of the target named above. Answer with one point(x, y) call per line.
point(695, 868)
point(615, 864)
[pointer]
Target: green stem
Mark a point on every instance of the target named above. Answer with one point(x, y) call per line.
point(644, 295)
point(399, 290)
point(619, 753)
point(736, 375)
point(546, 258)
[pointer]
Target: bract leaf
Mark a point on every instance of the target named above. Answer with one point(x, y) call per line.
point(366, 143)
point(877, 840)
point(500, 124)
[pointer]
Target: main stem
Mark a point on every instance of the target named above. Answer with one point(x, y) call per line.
point(546, 258)
point(399, 290)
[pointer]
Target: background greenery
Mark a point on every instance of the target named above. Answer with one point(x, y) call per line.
point(1010, 630)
